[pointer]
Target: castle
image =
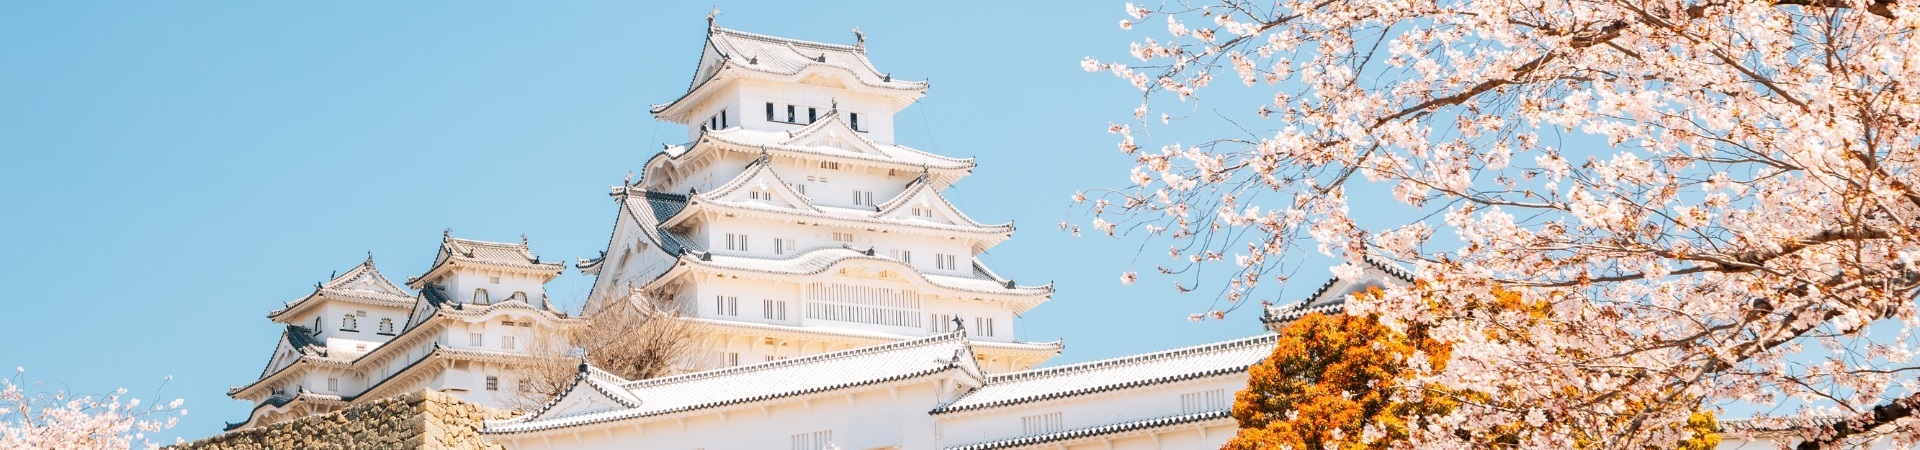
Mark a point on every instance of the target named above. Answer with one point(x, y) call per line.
point(839, 294)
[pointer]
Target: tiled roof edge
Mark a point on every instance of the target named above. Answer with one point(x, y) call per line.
point(955, 335)
point(616, 417)
point(1131, 359)
point(1097, 431)
point(1091, 390)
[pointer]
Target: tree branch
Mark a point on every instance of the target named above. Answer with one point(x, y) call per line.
point(1830, 435)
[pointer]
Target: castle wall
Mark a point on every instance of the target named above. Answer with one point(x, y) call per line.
point(424, 420)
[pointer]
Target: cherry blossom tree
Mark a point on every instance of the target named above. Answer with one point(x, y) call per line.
point(61, 420)
point(1715, 199)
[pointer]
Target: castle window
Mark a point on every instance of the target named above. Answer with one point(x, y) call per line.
point(812, 115)
point(726, 305)
point(493, 383)
point(830, 165)
point(800, 188)
point(940, 323)
point(843, 237)
point(386, 327)
point(473, 340)
point(905, 256)
point(769, 111)
point(506, 342)
point(862, 304)
point(713, 123)
point(494, 280)
point(863, 198)
point(923, 212)
point(983, 326)
point(729, 359)
point(480, 297)
point(783, 246)
point(1198, 402)
point(944, 262)
point(723, 118)
point(773, 309)
point(856, 120)
point(349, 323)
point(1040, 424)
point(790, 114)
point(760, 195)
point(818, 440)
point(736, 242)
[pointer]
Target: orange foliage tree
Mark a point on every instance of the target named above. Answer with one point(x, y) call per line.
point(1345, 381)
point(1336, 379)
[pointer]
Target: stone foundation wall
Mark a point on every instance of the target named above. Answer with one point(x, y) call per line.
point(422, 420)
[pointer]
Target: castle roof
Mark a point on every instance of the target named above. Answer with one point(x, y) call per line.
point(1130, 372)
point(827, 139)
point(456, 252)
point(728, 51)
point(814, 374)
point(820, 260)
point(1332, 296)
point(832, 136)
point(362, 284)
point(724, 198)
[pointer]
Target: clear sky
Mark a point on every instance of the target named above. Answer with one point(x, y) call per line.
point(174, 170)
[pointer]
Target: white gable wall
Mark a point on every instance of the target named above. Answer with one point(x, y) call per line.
point(883, 416)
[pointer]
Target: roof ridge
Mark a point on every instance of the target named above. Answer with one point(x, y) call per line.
point(786, 40)
point(1132, 359)
point(958, 334)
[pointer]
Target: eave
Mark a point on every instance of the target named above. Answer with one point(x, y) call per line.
point(313, 299)
point(447, 265)
point(694, 157)
point(699, 206)
point(681, 109)
point(1018, 301)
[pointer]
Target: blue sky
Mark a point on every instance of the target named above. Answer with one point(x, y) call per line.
point(174, 170)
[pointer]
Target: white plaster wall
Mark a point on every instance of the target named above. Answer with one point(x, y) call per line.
point(750, 97)
point(368, 326)
point(751, 292)
point(1085, 411)
point(761, 232)
point(462, 283)
point(874, 418)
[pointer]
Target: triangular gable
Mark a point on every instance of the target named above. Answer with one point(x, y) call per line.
point(584, 397)
point(1363, 274)
point(365, 277)
point(829, 131)
point(759, 185)
point(921, 202)
point(1349, 278)
point(711, 58)
point(283, 355)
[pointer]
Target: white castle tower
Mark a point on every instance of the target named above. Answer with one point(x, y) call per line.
point(359, 337)
point(793, 225)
